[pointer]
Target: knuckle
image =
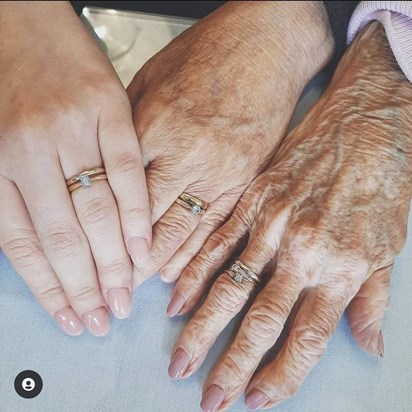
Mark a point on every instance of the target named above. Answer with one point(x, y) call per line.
point(84, 293)
point(172, 230)
point(310, 343)
point(192, 279)
point(96, 212)
point(116, 269)
point(215, 248)
point(264, 321)
point(125, 164)
point(227, 297)
point(62, 239)
point(49, 293)
point(134, 215)
point(238, 371)
point(23, 250)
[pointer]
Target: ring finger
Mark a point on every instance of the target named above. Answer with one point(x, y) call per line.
point(98, 216)
point(169, 234)
point(225, 300)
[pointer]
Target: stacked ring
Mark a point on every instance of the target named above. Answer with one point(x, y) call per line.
point(239, 272)
point(193, 203)
point(85, 178)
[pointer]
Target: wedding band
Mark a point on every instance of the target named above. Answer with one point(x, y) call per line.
point(240, 273)
point(194, 204)
point(85, 178)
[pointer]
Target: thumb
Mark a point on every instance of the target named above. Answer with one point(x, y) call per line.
point(367, 309)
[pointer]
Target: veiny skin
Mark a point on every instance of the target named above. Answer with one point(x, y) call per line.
point(210, 110)
point(326, 220)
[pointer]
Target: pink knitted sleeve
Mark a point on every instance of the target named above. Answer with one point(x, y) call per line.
point(396, 17)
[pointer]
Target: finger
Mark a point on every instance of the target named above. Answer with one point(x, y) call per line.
point(64, 243)
point(22, 246)
point(217, 214)
point(216, 251)
point(314, 324)
point(367, 310)
point(169, 233)
point(224, 301)
point(123, 162)
point(259, 331)
point(221, 246)
point(97, 213)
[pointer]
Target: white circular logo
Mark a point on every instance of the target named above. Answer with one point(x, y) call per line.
point(28, 384)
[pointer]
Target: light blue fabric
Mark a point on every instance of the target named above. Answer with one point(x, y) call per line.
point(127, 370)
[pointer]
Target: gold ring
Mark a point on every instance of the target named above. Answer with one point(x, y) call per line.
point(194, 204)
point(85, 178)
point(240, 273)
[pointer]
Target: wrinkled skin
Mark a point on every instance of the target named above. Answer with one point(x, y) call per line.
point(206, 116)
point(325, 221)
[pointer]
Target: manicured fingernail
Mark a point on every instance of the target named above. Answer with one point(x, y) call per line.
point(381, 347)
point(168, 274)
point(176, 304)
point(97, 322)
point(256, 399)
point(212, 399)
point(120, 302)
point(69, 322)
point(178, 364)
point(139, 251)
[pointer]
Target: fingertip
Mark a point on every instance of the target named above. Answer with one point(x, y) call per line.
point(176, 304)
point(69, 322)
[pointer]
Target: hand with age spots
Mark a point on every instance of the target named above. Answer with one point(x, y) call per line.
point(325, 222)
point(206, 116)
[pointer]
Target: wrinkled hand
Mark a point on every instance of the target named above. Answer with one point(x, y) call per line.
point(207, 119)
point(325, 221)
point(63, 110)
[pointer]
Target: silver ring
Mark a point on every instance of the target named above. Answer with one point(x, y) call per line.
point(240, 273)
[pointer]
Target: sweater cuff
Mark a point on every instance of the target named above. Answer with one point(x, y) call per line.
point(396, 18)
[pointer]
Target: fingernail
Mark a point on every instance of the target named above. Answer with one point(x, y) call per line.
point(97, 322)
point(168, 274)
point(256, 399)
point(381, 347)
point(179, 363)
point(176, 304)
point(212, 399)
point(139, 251)
point(69, 322)
point(120, 302)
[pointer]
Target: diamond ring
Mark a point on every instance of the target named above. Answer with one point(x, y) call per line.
point(85, 178)
point(193, 203)
point(240, 273)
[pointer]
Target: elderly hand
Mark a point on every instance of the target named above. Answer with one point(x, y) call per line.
point(64, 110)
point(211, 108)
point(325, 221)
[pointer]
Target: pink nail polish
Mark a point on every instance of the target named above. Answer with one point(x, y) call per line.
point(381, 347)
point(69, 322)
point(139, 251)
point(120, 302)
point(176, 304)
point(212, 399)
point(97, 322)
point(256, 399)
point(178, 364)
